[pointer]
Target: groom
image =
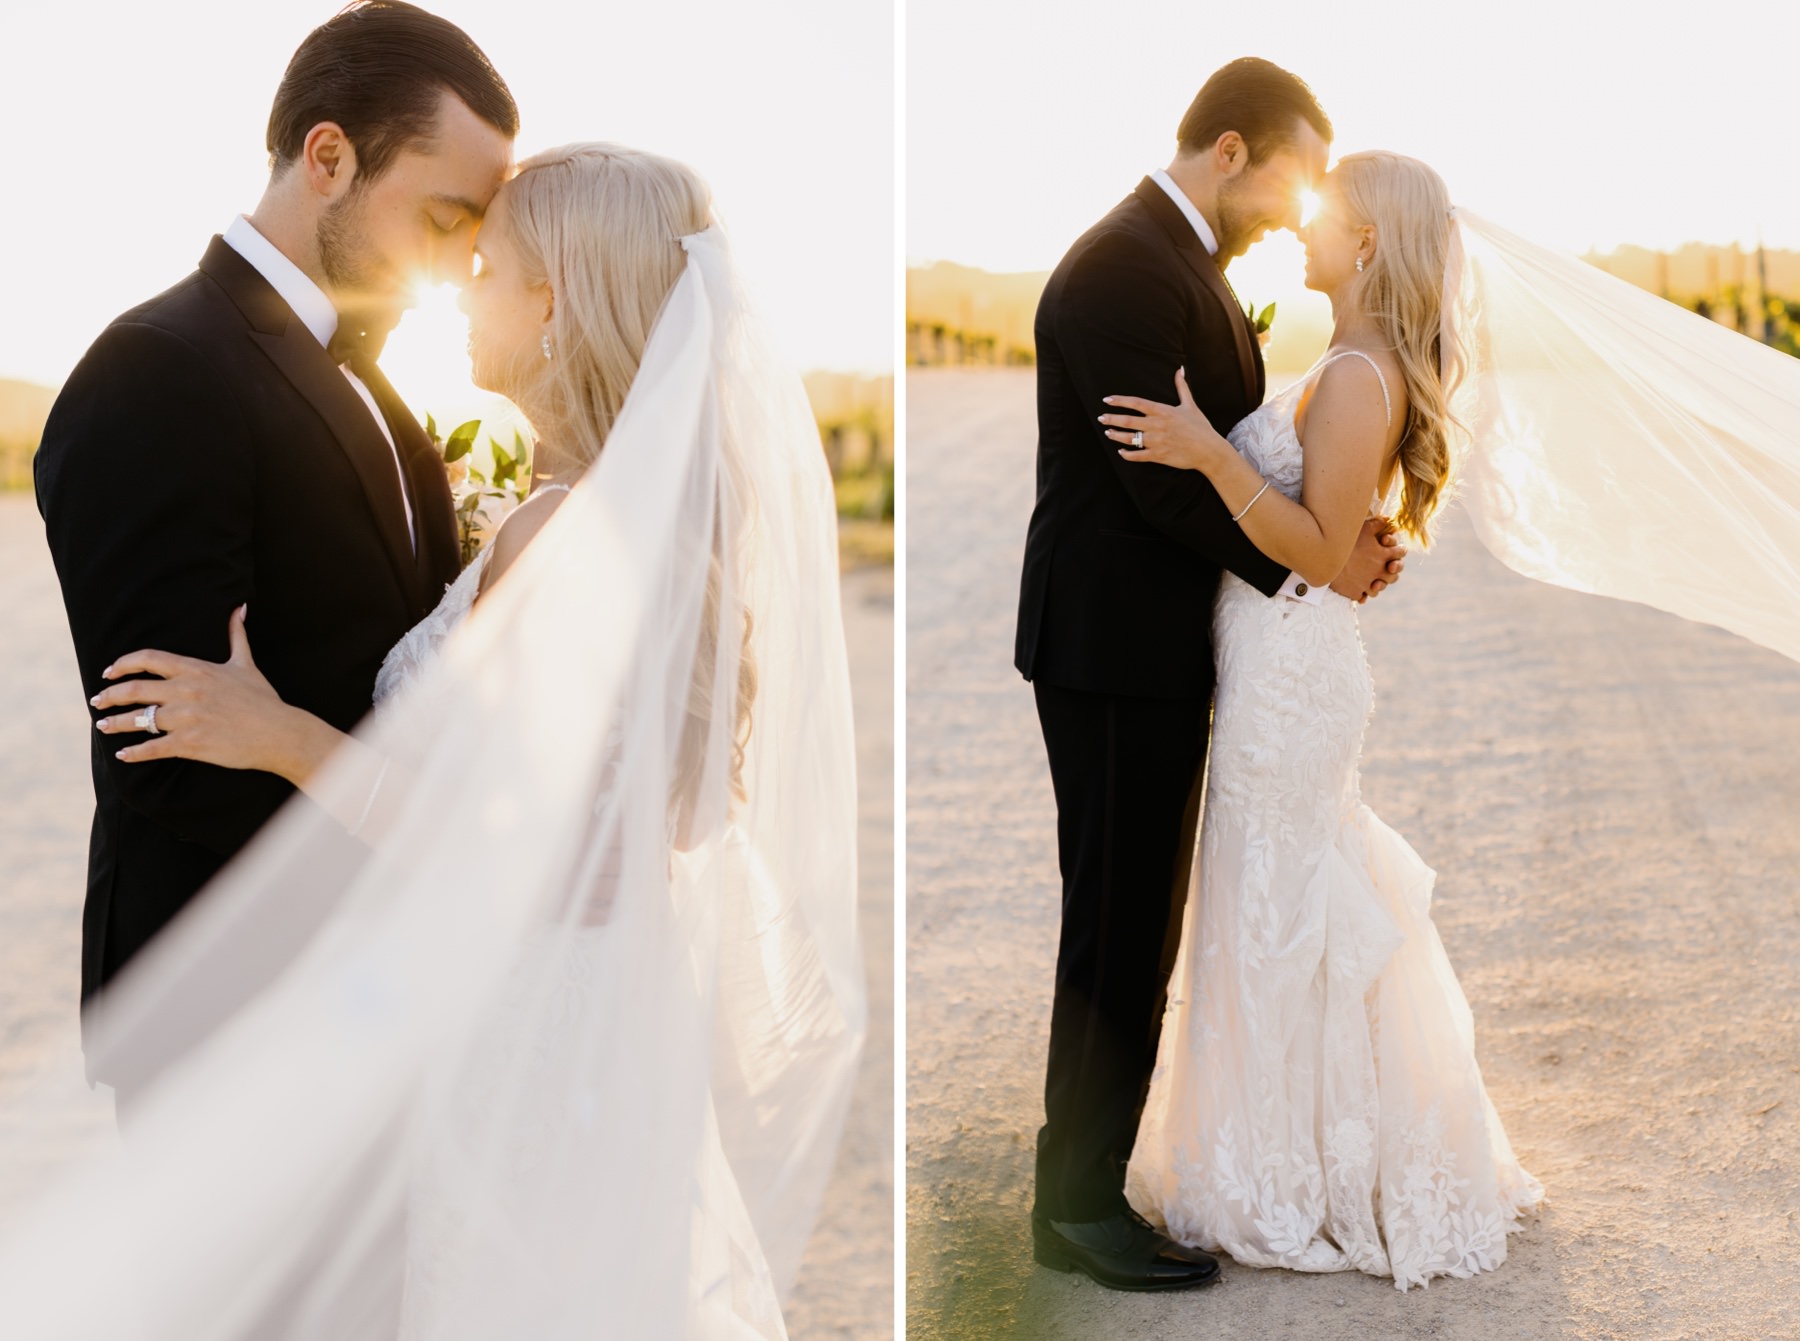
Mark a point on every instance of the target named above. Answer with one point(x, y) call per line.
point(1115, 609)
point(232, 441)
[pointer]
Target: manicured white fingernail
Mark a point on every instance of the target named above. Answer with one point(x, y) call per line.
point(106, 674)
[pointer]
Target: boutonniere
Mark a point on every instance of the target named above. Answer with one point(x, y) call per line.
point(1263, 321)
point(482, 498)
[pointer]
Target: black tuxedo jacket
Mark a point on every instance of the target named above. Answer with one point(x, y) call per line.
point(205, 453)
point(1122, 560)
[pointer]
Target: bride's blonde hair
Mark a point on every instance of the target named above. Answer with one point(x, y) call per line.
point(601, 225)
point(1401, 291)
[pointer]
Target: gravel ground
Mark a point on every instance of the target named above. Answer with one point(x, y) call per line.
point(1608, 795)
point(846, 1286)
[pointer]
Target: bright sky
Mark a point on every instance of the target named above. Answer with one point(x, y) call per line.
point(135, 132)
point(1580, 123)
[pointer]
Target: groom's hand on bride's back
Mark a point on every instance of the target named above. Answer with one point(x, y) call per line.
point(1375, 563)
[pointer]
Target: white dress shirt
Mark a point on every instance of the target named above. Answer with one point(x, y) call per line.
point(1294, 588)
point(1189, 210)
point(317, 314)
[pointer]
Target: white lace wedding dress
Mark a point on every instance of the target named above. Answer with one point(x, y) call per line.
point(1316, 1102)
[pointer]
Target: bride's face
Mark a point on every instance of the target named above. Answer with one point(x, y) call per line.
point(509, 315)
point(1332, 244)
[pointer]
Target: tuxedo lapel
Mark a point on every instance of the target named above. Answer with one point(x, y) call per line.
point(438, 557)
point(1197, 259)
point(309, 369)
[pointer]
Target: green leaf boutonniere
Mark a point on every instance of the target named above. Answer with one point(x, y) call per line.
point(1263, 321)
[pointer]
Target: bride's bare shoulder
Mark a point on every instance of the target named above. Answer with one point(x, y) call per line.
point(518, 530)
point(1367, 384)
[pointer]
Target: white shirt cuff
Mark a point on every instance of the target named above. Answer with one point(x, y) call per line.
point(1295, 589)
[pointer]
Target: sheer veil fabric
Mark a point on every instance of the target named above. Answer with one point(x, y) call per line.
point(1622, 445)
point(562, 1045)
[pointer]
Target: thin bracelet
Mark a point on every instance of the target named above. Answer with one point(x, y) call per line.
point(369, 804)
point(1252, 503)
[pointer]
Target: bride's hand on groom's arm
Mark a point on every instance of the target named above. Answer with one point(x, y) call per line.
point(1177, 435)
point(1375, 563)
point(223, 713)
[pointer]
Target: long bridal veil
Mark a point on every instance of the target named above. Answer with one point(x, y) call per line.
point(1622, 445)
point(562, 1046)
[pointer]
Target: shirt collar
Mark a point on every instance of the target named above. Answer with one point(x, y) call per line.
point(1186, 206)
point(307, 299)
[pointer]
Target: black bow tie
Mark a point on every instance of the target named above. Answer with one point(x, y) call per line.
point(348, 345)
point(356, 341)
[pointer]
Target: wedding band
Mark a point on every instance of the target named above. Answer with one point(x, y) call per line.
point(1137, 438)
point(146, 721)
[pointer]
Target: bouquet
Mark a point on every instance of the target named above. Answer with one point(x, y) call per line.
point(482, 499)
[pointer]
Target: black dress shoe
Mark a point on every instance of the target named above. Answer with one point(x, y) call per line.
point(1121, 1252)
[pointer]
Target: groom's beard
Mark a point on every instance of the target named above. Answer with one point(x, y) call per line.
point(361, 282)
point(1235, 223)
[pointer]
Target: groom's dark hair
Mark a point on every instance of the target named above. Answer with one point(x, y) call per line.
point(1260, 101)
point(378, 69)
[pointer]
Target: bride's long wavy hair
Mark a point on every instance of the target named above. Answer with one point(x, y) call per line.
point(600, 224)
point(1401, 291)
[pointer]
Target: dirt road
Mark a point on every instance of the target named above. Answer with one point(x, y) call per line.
point(1611, 798)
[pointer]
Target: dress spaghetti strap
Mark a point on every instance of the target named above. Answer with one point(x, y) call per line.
point(1386, 400)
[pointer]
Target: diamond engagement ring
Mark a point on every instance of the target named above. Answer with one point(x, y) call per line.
point(1137, 438)
point(146, 721)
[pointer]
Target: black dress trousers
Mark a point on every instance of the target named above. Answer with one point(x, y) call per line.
point(1127, 773)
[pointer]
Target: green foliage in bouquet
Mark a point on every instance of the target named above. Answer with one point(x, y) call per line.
point(482, 498)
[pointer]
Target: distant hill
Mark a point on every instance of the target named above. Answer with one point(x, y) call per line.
point(1697, 270)
point(23, 408)
point(956, 314)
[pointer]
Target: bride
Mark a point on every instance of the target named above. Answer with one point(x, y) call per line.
point(1317, 1103)
point(538, 1015)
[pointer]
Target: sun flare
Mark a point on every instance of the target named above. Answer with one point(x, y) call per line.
point(427, 360)
point(427, 356)
point(1309, 207)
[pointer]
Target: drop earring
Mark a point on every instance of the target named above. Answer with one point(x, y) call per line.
point(1359, 270)
point(544, 342)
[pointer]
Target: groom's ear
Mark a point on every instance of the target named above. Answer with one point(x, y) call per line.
point(329, 160)
point(1230, 154)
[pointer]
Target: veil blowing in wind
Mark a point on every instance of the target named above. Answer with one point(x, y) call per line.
point(1620, 444)
point(569, 1025)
